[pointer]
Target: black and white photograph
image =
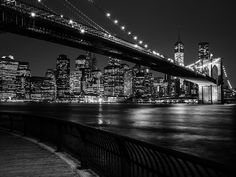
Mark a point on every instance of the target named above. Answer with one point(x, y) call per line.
point(117, 88)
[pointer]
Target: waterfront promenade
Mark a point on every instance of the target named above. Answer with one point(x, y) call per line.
point(22, 158)
point(106, 153)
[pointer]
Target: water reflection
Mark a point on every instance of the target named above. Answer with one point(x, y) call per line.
point(203, 130)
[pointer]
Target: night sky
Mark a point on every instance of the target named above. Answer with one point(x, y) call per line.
point(155, 21)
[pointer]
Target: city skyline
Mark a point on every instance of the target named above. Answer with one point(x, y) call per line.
point(40, 53)
point(117, 88)
point(116, 82)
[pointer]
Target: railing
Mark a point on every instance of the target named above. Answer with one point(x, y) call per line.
point(108, 154)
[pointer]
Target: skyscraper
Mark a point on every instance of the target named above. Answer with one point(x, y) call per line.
point(80, 62)
point(128, 79)
point(83, 72)
point(203, 51)
point(51, 74)
point(75, 82)
point(8, 75)
point(95, 82)
point(203, 56)
point(22, 74)
point(88, 63)
point(94, 63)
point(179, 52)
point(76, 76)
point(63, 76)
point(113, 62)
point(41, 88)
point(142, 85)
point(114, 78)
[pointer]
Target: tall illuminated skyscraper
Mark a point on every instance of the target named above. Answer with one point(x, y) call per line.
point(51, 74)
point(203, 56)
point(179, 52)
point(23, 73)
point(114, 78)
point(63, 76)
point(8, 74)
point(78, 74)
point(203, 51)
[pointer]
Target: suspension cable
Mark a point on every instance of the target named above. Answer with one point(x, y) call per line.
point(48, 8)
point(82, 20)
point(228, 81)
point(85, 16)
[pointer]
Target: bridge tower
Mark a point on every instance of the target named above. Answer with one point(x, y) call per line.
point(212, 94)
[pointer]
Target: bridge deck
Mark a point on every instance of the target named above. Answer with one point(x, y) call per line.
point(21, 158)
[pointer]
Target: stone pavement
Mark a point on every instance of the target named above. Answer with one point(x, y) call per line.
point(22, 158)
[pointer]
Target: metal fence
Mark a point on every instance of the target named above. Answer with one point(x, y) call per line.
point(109, 154)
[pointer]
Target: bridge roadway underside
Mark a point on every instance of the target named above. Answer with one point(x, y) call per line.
point(13, 21)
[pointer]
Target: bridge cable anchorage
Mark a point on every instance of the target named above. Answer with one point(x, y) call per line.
point(228, 81)
point(89, 20)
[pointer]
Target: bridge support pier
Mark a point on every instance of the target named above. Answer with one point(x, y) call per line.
point(210, 94)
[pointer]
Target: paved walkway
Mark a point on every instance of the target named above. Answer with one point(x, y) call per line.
point(22, 158)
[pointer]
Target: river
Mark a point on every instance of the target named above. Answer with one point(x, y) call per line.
point(207, 131)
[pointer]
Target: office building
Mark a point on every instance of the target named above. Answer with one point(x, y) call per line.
point(41, 89)
point(51, 74)
point(8, 78)
point(179, 52)
point(203, 56)
point(114, 78)
point(23, 73)
point(63, 77)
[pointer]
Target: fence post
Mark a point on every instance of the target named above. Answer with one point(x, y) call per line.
point(59, 137)
point(124, 155)
point(84, 153)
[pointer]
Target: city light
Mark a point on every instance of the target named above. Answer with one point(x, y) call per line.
point(153, 57)
point(108, 14)
point(100, 100)
point(71, 22)
point(33, 14)
point(115, 21)
point(82, 31)
point(63, 60)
